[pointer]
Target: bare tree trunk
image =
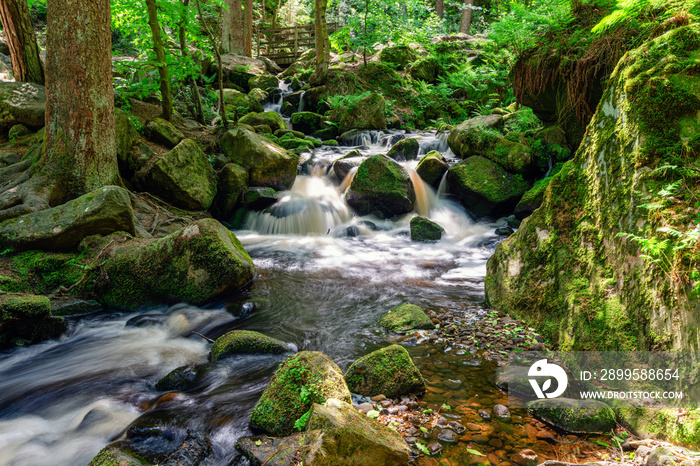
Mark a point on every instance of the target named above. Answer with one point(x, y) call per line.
point(217, 47)
point(439, 8)
point(232, 28)
point(198, 112)
point(466, 22)
point(80, 144)
point(323, 48)
point(248, 29)
point(19, 33)
point(159, 49)
point(275, 13)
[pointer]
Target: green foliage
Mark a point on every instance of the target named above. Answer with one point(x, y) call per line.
point(648, 10)
point(300, 424)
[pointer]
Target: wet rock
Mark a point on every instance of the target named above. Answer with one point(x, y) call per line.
point(501, 412)
point(475, 136)
point(389, 371)
point(26, 318)
point(61, 228)
point(448, 435)
point(405, 318)
point(245, 342)
point(259, 198)
point(307, 122)
point(193, 451)
point(183, 177)
point(164, 133)
point(513, 379)
point(338, 435)
point(405, 149)
point(269, 450)
point(576, 416)
point(452, 384)
point(381, 186)
point(504, 231)
point(67, 307)
point(195, 264)
point(524, 458)
point(281, 405)
point(268, 164)
point(181, 379)
point(457, 427)
point(111, 456)
point(435, 449)
point(425, 230)
point(485, 415)
point(432, 168)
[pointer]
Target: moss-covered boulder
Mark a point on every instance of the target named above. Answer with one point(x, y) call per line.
point(432, 168)
point(245, 342)
point(532, 199)
point(272, 119)
point(406, 317)
point(571, 268)
point(258, 95)
point(511, 155)
point(22, 103)
point(368, 113)
point(264, 82)
point(576, 416)
point(426, 69)
point(271, 451)
point(296, 144)
point(484, 188)
point(398, 55)
point(196, 264)
point(61, 228)
point(233, 180)
point(678, 426)
point(342, 166)
point(307, 122)
point(181, 379)
point(127, 158)
point(257, 198)
point(475, 136)
point(164, 133)
point(241, 103)
point(338, 435)
point(283, 132)
point(381, 187)
point(388, 371)
point(425, 230)
point(113, 456)
point(184, 177)
point(306, 378)
point(26, 318)
point(268, 164)
point(405, 149)
point(238, 70)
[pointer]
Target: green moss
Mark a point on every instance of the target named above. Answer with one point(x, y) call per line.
point(405, 318)
point(272, 119)
point(44, 272)
point(307, 122)
point(577, 416)
point(245, 342)
point(422, 229)
point(388, 371)
point(110, 456)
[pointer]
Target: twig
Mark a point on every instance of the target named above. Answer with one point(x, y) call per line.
point(200, 335)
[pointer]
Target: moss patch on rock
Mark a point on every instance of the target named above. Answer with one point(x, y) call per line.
point(405, 149)
point(245, 342)
point(432, 167)
point(111, 456)
point(405, 318)
point(425, 230)
point(272, 119)
point(388, 371)
point(576, 416)
point(381, 186)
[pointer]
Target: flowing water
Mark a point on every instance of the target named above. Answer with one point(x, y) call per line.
point(324, 279)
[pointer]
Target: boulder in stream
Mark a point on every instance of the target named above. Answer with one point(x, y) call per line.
point(406, 317)
point(245, 342)
point(405, 149)
point(368, 113)
point(381, 187)
point(113, 456)
point(432, 167)
point(475, 136)
point(576, 416)
point(425, 230)
point(307, 122)
point(26, 318)
point(388, 371)
point(305, 378)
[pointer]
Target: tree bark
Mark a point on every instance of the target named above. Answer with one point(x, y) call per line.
point(198, 112)
point(232, 28)
point(217, 47)
point(439, 8)
point(165, 93)
point(19, 33)
point(80, 144)
point(466, 22)
point(248, 29)
point(323, 48)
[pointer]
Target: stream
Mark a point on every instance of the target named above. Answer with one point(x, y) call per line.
point(325, 277)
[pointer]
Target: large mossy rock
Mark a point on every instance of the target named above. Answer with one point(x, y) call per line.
point(164, 133)
point(196, 264)
point(571, 268)
point(233, 181)
point(268, 164)
point(306, 378)
point(382, 187)
point(432, 167)
point(241, 103)
point(26, 318)
point(425, 69)
point(475, 136)
point(272, 119)
point(397, 55)
point(405, 149)
point(532, 199)
point(271, 451)
point(511, 155)
point(425, 230)
point(388, 371)
point(238, 70)
point(127, 136)
point(576, 416)
point(61, 228)
point(307, 122)
point(484, 188)
point(406, 317)
point(368, 113)
point(245, 342)
point(184, 177)
point(22, 103)
point(265, 82)
point(338, 435)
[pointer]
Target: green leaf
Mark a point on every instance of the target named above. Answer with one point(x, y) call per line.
point(601, 443)
point(373, 414)
point(474, 452)
point(258, 443)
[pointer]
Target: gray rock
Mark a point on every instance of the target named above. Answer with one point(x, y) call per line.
point(576, 416)
point(22, 103)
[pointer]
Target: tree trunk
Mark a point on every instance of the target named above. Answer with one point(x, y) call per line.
point(19, 33)
point(248, 29)
point(439, 8)
point(466, 22)
point(232, 28)
point(217, 47)
point(323, 52)
point(80, 144)
point(198, 112)
point(159, 49)
point(275, 13)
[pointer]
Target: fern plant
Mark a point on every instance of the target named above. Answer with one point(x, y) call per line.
point(652, 10)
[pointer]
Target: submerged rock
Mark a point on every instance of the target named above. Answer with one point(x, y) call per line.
point(381, 186)
point(61, 228)
point(306, 378)
point(425, 230)
point(245, 342)
point(406, 317)
point(338, 435)
point(195, 264)
point(576, 416)
point(268, 164)
point(388, 371)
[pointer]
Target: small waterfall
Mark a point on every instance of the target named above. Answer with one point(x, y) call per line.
point(276, 105)
point(426, 197)
point(348, 179)
point(442, 187)
point(312, 207)
point(301, 102)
